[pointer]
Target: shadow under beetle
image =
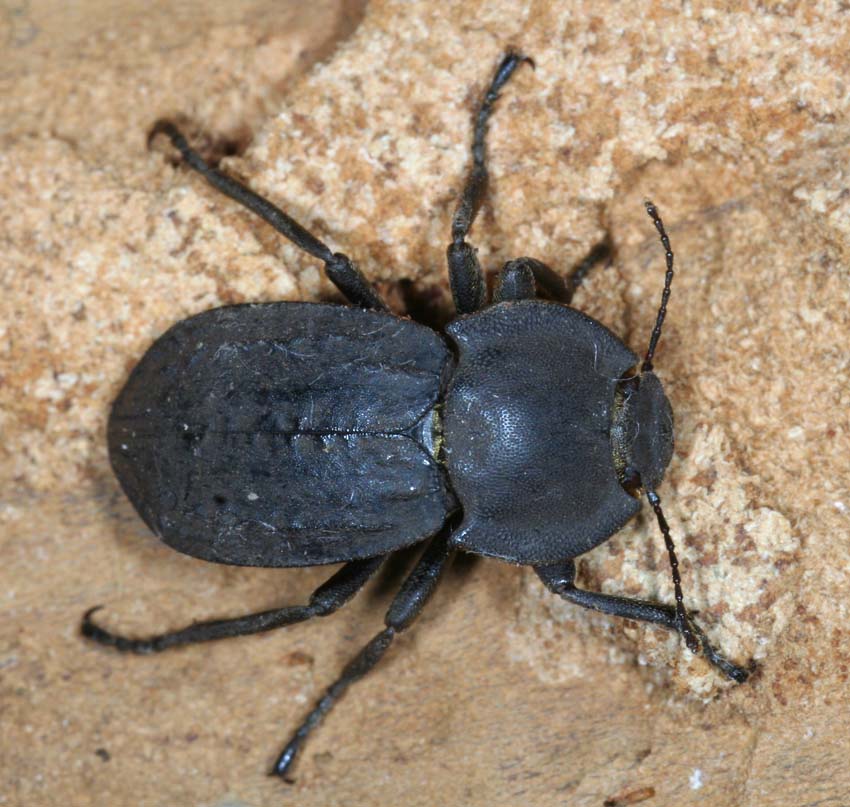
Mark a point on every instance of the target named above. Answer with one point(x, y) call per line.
point(298, 434)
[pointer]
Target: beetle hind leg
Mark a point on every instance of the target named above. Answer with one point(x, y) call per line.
point(411, 598)
point(560, 579)
point(326, 599)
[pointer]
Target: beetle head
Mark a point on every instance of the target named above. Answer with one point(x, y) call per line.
point(642, 432)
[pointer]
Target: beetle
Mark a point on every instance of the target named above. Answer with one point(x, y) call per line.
point(299, 434)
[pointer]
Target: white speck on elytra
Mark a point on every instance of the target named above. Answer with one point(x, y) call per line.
point(695, 779)
point(252, 497)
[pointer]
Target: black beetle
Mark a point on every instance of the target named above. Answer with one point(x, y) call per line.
point(297, 434)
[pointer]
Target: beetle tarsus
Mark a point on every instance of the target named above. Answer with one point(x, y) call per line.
point(142, 647)
point(717, 659)
point(284, 761)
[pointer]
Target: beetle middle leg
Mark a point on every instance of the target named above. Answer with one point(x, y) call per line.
point(410, 600)
point(520, 278)
point(340, 269)
point(326, 599)
point(560, 579)
point(465, 276)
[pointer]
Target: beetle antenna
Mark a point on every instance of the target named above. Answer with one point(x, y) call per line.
point(652, 210)
point(681, 613)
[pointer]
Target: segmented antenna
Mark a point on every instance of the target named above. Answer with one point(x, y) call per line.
point(652, 210)
point(681, 614)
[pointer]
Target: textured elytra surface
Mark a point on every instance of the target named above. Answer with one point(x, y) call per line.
point(527, 422)
point(284, 434)
point(734, 120)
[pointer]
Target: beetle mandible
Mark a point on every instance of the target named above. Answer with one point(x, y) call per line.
point(299, 434)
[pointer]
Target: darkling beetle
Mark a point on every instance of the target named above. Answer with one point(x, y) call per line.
point(299, 434)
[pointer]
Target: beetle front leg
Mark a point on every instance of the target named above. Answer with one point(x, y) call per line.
point(410, 600)
point(341, 271)
point(326, 599)
point(560, 579)
point(465, 275)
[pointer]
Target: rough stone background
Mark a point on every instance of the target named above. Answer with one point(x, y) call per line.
point(733, 118)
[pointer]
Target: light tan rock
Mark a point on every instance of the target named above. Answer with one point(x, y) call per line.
point(735, 121)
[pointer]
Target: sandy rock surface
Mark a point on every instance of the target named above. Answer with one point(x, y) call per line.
point(357, 121)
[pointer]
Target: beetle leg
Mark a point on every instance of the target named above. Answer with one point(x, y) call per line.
point(410, 600)
point(519, 279)
point(516, 281)
point(599, 253)
point(326, 599)
point(341, 271)
point(467, 280)
point(560, 579)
